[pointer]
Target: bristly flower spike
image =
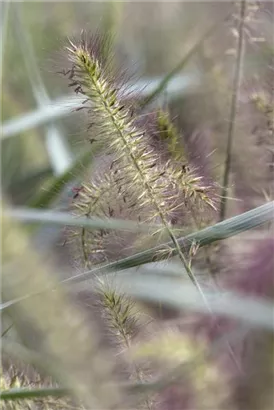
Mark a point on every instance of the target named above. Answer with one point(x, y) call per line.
point(117, 127)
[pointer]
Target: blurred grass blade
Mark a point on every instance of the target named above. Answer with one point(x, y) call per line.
point(24, 393)
point(180, 295)
point(163, 84)
point(235, 91)
point(58, 150)
point(111, 22)
point(5, 9)
point(6, 330)
point(66, 105)
point(54, 110)
point(27, 393)
point(57, 147)
point(44, 198)
point(65, 219)
point(222, 230)
point(27, 186)
point(57, 324)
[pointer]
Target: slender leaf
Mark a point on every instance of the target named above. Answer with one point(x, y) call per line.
point(163, 84)
point(6, 330)
point(222, 230)
point(5, 10)
point(66, 105)
point(233, 105)
point(26, 187)
point(44, 199)
point(181, 295)
point(57, 147)
point(27, 393)
point(66, 219)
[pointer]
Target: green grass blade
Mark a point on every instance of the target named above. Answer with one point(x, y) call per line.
point(5, 11)
point(66, 219)
point(27, 393)
point(66, 105)
point(44, 198)
point(163, 84)
point(26, 187)
point(235, 91)
point(222, 230)
point(58, 149)
point(181, 295)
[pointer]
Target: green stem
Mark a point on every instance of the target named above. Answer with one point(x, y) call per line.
point(233, 109)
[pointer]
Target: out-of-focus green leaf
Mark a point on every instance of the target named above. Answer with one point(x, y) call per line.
point(27, 393)
point(162, 85)
point(44, 199)
point(5, 9)
point(26, 187)
point(66, 105)
point(57, 147)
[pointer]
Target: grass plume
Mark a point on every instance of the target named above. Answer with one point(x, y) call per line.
point(152, 186)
